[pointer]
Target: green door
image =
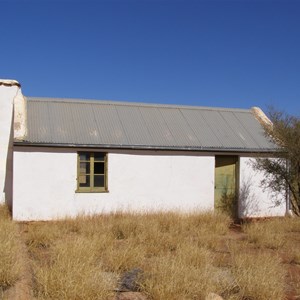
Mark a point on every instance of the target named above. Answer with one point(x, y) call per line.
point(226, 184)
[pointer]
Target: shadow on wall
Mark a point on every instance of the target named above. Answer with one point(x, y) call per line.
point(248, 202)
point(8, 184)
point(251, 205)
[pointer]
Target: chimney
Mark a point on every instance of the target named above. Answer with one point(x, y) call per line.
point(10, 97)
point(20, 116)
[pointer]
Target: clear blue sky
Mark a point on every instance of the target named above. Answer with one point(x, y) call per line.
point(206, 53)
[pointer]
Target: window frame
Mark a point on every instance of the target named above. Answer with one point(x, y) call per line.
point(91, 188)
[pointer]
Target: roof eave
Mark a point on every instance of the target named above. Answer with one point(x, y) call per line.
point(147, 147)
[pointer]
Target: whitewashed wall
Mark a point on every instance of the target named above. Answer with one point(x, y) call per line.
point(9, 89)
point(257, 202)
point(45, 183)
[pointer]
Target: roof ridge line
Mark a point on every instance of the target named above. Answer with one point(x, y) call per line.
point(135, 104)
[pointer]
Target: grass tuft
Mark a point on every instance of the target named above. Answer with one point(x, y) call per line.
point(259, 276)
point(11, 263)
point(266, 234)
point(73, 273)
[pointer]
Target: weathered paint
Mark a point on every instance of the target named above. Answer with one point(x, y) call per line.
point(45, 183)
point(254, 200)
point(20, 116)
point(9, 89)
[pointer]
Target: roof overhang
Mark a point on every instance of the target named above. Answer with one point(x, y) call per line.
point(146, 147)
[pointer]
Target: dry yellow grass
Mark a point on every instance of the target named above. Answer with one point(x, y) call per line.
point(11, 263)
point(258, 276)
point(171, 278)
point(182, 256)
point(73, 272)
point(291, 224)
point(267, 234)
point(294, 254)
point(100, 248)
point(277, 234)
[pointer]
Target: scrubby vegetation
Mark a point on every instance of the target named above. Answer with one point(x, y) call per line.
point(282, 172)
point(12, 263)
point(178, 256)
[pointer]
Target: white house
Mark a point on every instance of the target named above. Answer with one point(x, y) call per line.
point(64, 157)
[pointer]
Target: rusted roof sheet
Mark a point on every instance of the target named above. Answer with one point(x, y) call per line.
point(72, 122)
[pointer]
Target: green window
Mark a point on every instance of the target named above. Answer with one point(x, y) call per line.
point(92, 172)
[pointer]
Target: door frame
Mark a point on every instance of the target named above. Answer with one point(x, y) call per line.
point(237, 182)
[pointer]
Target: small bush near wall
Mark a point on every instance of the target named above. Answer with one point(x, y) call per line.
point(228, 204)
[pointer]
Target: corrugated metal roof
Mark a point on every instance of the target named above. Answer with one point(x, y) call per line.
point(74, 122)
